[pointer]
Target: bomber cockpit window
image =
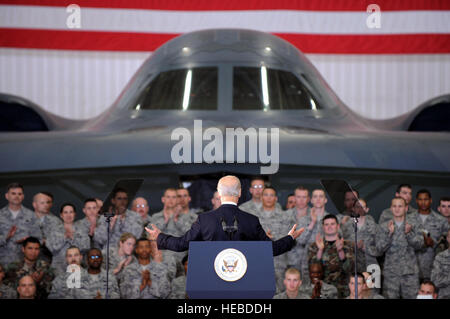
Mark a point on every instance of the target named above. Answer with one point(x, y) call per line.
point(182, 89)
point(260, 88)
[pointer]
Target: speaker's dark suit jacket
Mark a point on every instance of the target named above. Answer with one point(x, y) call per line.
point(208, 227)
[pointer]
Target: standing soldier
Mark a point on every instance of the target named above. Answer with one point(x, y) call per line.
point(404, 191)
point(399, 238)
point(42, 204)
point(183, 200)
point(275, 223)
point(16, 224)
point(146, 277)
point(124, 221)
point(65, 235)
point(312, 223)
point(88, 224)
point(367, 231)
point(296, 254)
point(335, 254)
point(432, 226)
point(6, 291)
point(440, 274)
point(140, 206)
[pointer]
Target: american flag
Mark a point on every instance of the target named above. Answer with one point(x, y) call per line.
point(320, 26)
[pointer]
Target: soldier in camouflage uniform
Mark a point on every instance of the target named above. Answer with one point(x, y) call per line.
point(440, 274)
point(215, 200)
point(146, 277)
point(349, 202)
point(26, 288)
point(172, 222)
point(296, 255)
point(292, 282)
point(42, 204)
point(290, 202)
point(6, 291)
point(183, 200)
point(432, 226)
point(16, 223)
point(444, 210)
point(178, 286)
point(317, 288)
point(363, 292)
point(38, 269)
point(61, 289)
point(88, 224)
point(399, 239)
point(140, 206)
point(95, 285)
point(124, 221)
point(313, 225)
point(404, 191)
point(275, 223)
point(65, 235)
point(367, 231)
point(254, 205)
point(335, 254)
point(121, 256)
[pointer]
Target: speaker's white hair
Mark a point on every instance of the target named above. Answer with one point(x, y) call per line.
point(232, 189)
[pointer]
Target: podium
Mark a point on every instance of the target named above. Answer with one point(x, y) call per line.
point(216, 270)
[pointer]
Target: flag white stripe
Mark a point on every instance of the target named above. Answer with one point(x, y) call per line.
point(277, 21)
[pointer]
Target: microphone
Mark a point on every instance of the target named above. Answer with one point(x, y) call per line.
point(230, 230)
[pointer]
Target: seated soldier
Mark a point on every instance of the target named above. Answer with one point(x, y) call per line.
point(427, 290)
point(292, 283)
point(61, 289)
point(317, 288)
point(26, 288)
point(38, 269)
point(179, 283)
point(146, 277)
point(440, 274)
point(96, 284)
point(6, 292)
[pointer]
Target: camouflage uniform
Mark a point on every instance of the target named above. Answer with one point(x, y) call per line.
point(436, 226)
point(254, 208)
point(7, 292)
point(114, 260)
point(97, 283)
point(27, 225)
point(58, 243)
point(441, 245)
point(335, 271)
point(440, 274)
point(174, 228)
point(277, 222)
point(146, 221)
point(296, 255)
point(132, 279)
point(307, 238)
point(326, 292)
point(84, 226)
point(16, 270)
point(46, 224)
point(132, 223)
point(178, 288)
point(401, 269)
point(373, 295)
point(283, 295)
point(367, 233)
point(386, 215)
point(61, 290)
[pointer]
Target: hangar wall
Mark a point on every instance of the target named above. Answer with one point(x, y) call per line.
point(82, 84)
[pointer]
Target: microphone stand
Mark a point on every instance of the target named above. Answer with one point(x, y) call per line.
point(355, 227)
point(108, 217)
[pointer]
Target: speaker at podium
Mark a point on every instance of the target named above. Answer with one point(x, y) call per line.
point(230, 270)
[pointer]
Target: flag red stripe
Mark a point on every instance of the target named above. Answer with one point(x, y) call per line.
point(308, 43)
point(220, 5)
